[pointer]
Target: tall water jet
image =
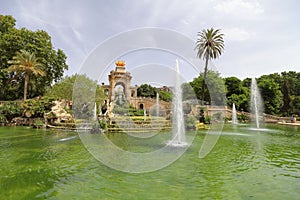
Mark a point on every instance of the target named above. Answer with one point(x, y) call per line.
point(95, 112)
point(234, 118)
point(157, 104)
point(178, 130)
point(256, 103)
point(145, 114)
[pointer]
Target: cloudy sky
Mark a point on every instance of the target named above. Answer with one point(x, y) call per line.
point(261, 36)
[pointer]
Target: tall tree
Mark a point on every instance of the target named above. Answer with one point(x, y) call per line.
point(25, 64)
point(14, 39)
point(209, 45)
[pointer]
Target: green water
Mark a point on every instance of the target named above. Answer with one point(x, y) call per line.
point(244, 164)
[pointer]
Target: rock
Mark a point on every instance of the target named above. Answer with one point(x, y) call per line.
point(58, 113)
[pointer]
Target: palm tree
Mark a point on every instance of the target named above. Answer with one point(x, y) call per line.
point(210, 45)
point(26, 63)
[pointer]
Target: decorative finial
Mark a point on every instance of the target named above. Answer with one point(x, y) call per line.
point(120, 63)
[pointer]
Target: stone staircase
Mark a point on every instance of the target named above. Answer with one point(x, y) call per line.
point(139, 124)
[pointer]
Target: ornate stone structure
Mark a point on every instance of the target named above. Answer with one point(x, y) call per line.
point(119, 82)
point(120, 87)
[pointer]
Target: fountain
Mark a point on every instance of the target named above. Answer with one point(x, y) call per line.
point(95, 112)
point(256, 103)
point(157, 104)
point(178, 130)
point(145, 114)
point(234, 118)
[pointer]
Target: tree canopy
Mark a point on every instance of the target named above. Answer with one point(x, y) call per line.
point(13, 40)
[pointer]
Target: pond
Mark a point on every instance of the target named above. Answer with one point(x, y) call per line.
point(244, 164)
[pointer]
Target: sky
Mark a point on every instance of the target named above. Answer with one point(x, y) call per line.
point(261, 36)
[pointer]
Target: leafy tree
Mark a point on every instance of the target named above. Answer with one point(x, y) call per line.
point(188, 91)
point(293, 80)
point(233, 86)
point(246, 82)
point(25, 64)
point(85, 93)
point(165, 96)
point(295, 105)
point(6, 22)
point(210, 45)
point(64, 88)
point(237, 93)
point(215, 89)
point(241, 101)
point(38, 42)
point(271, 94)
point(146, 90)
point(197, 88)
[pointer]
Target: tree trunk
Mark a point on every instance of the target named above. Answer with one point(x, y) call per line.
point(204, 79)
point(26, 79)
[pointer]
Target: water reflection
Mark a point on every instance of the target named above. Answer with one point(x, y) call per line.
point(243, 165)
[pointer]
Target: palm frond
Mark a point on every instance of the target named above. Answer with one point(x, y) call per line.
point(210, 43)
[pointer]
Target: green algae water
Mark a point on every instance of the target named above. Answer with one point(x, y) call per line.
point(244, 164)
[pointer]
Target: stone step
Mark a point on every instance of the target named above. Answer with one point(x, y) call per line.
point(137, 130)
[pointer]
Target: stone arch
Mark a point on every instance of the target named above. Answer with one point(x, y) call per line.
point(141, 106)
point(106, 91)
point(119, 76)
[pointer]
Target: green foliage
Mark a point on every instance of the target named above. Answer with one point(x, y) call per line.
point(87, 93)
point(235, 86)
point(23, 65)
point(146, 90)
point(36, 107)
point(241, 101)
point(6, 22)
point(98, 126)
point(271, 94)
point(285, 88)
point(121, 109)
point(295, 105)
point(237, 93)
point(190, 122)
point(243, 118)
point(215, 90)
point(37, 42)
point(3, 119)
point(10, 109)
point(32, 108)
point(136, 112)
point(62, 89)
point(197, 87)
point(210, 44)
point(188, 91)
point(127, 109)
point(165, 96)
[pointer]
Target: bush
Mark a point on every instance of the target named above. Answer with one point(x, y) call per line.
point(33, 108)
point(36, 108)
point(9, 110)
point(243, 118)
point(190, 122)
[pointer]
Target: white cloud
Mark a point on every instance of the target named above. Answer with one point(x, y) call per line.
point(244, 8)
point(237, 34)
point(251, 27)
